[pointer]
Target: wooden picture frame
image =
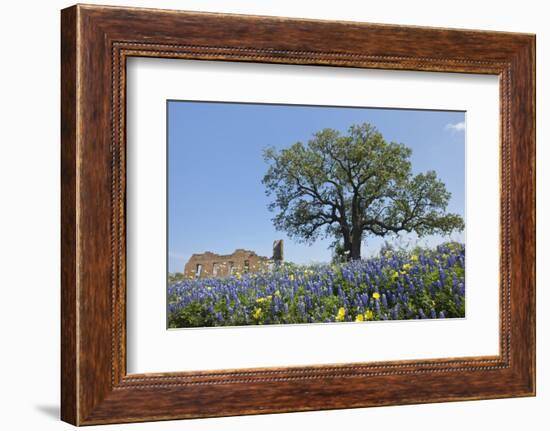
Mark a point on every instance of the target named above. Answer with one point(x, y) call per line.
point(95, 43)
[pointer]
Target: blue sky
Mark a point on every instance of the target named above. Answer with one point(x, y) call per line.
point(216, 200)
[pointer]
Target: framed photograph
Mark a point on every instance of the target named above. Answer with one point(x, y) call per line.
point(265, 214)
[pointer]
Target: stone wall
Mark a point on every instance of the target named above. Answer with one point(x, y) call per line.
point(210, 264)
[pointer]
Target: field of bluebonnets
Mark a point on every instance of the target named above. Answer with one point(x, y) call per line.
point(396, 285)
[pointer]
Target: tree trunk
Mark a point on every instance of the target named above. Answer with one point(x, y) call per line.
point(355, 247)
point(356, 231)
point(346, 243)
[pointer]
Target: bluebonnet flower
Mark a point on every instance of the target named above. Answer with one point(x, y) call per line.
point(384, 300)
point(395, 312)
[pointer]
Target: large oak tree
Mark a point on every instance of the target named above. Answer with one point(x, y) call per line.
point(351, 186)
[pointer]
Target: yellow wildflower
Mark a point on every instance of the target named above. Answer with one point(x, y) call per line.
point(376, 295)
point(341, 314)
point(260, 300)
point(394, 275)
point(369, 315)
point(359, 318)
point(257, 313)
point(277, 293)
point(414, 258)
point(291, 277)
point(407, 266)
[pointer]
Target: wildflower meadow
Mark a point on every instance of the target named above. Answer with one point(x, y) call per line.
point(424, 283)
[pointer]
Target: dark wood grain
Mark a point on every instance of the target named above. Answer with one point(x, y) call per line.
point(69, 397)
point(96, 41)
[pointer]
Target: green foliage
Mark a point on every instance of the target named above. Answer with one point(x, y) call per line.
point(174, 277)
point(193, 315)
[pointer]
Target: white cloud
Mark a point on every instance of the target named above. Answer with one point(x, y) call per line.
point(457, 127)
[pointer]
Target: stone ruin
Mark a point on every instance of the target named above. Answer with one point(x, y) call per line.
point(209, 265)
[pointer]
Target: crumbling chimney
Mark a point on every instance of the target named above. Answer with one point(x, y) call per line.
point(278, 255)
